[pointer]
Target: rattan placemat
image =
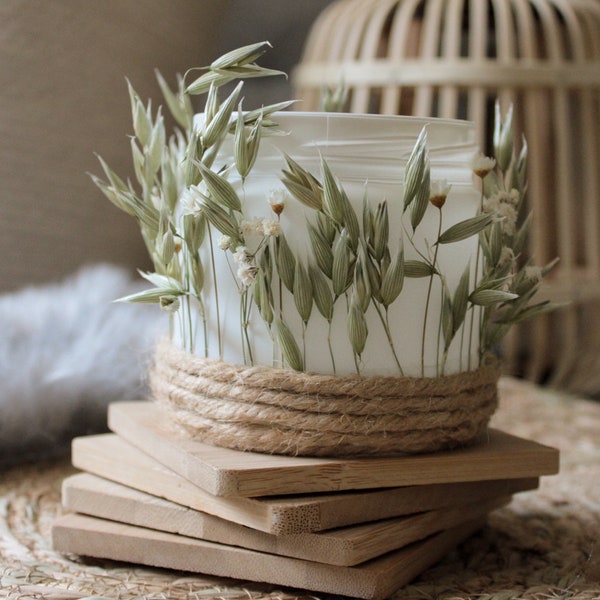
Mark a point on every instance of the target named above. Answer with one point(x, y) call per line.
point(545, 545)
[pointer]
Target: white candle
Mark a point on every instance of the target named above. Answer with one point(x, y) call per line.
point(367, 154)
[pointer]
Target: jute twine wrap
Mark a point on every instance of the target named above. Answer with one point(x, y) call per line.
point(278, 411)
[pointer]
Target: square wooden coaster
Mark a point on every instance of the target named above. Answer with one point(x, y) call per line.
point(225, 472)
point(111, 457)
point(348, 546)
point(375, 579)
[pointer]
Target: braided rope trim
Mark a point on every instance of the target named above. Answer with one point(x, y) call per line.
point(277, 411)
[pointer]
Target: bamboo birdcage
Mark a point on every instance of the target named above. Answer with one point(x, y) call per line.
point(453, 59)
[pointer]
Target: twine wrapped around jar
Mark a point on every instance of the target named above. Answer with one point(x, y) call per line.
point(278, 411)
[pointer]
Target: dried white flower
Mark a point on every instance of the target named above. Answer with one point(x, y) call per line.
point(481, 165)
point(501, 197)
point(247, 273)
point(277, 200)
point(241, 255)
point(252, 226)
point(513, 197)
point(504, 206)
point(508, 215)
point(224, 242)
point(188, 201)
point(270, 227)
point(438, 192)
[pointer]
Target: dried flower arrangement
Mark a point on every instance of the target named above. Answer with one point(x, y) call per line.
point(184, 205)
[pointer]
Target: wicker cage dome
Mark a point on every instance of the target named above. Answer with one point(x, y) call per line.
point(453, 59)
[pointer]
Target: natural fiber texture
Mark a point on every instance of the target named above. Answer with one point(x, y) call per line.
point(544, 545)
point(280, 411)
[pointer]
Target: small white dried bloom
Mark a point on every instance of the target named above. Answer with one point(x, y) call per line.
point(277, 200)
point(438, 192)
point(504, 206)
point(481, 165)
point(514, 197)
point(508, 214)
point(241, 255)
point(253, 226)
point(188, 201)
point(501, 197)
point(491, 204)
point(247, 273)
point(270, 227)
point(224, 242)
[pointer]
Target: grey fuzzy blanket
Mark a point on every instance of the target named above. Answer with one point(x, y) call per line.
point(66, 351)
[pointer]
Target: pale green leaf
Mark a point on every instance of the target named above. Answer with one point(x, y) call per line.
point(381, 230)
point(197, 276)
point(465, 229)
point(326, 227)
point(333, 201)
point(415, 169)
point(302, 193)
point(218, 127)
point(322, 294)
point(219, 188)
point(460, 301)
point(285, 262)
point(393, 280)
point(178, 104)
point(249, 72)
point(341, 265)
point(362, 285)
point(261, 297)
point(156, 144)
point(241, 56)
point(220, 219)
point(303, 292)
point(421, 201)
point(357, 328)
point(350, 221)
point(289, 347)
point(142, 125)
point(448, 325)
point(418, 268)
point(321, 251)
point(202, 84)
point(265, 111)
point(487, 297)
point(374, 277)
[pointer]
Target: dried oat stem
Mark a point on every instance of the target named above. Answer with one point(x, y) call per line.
point(427, 301)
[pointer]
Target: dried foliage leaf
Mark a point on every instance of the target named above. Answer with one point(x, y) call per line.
point(465, 229)
point(289, 347)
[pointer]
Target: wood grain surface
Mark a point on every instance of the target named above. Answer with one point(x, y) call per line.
point(112, 458)
point(375, 579)
point(347, 546)
point(226, 472)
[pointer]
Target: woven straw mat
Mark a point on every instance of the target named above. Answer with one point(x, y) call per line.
point(544, 545)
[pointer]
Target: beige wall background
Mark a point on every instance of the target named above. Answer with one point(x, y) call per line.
point(63, 97)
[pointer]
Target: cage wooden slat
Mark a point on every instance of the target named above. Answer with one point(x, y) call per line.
point(453, 58)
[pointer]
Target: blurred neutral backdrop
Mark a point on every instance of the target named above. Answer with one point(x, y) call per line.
point(63, 97)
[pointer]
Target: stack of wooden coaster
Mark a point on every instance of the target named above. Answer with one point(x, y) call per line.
point(356, 527)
